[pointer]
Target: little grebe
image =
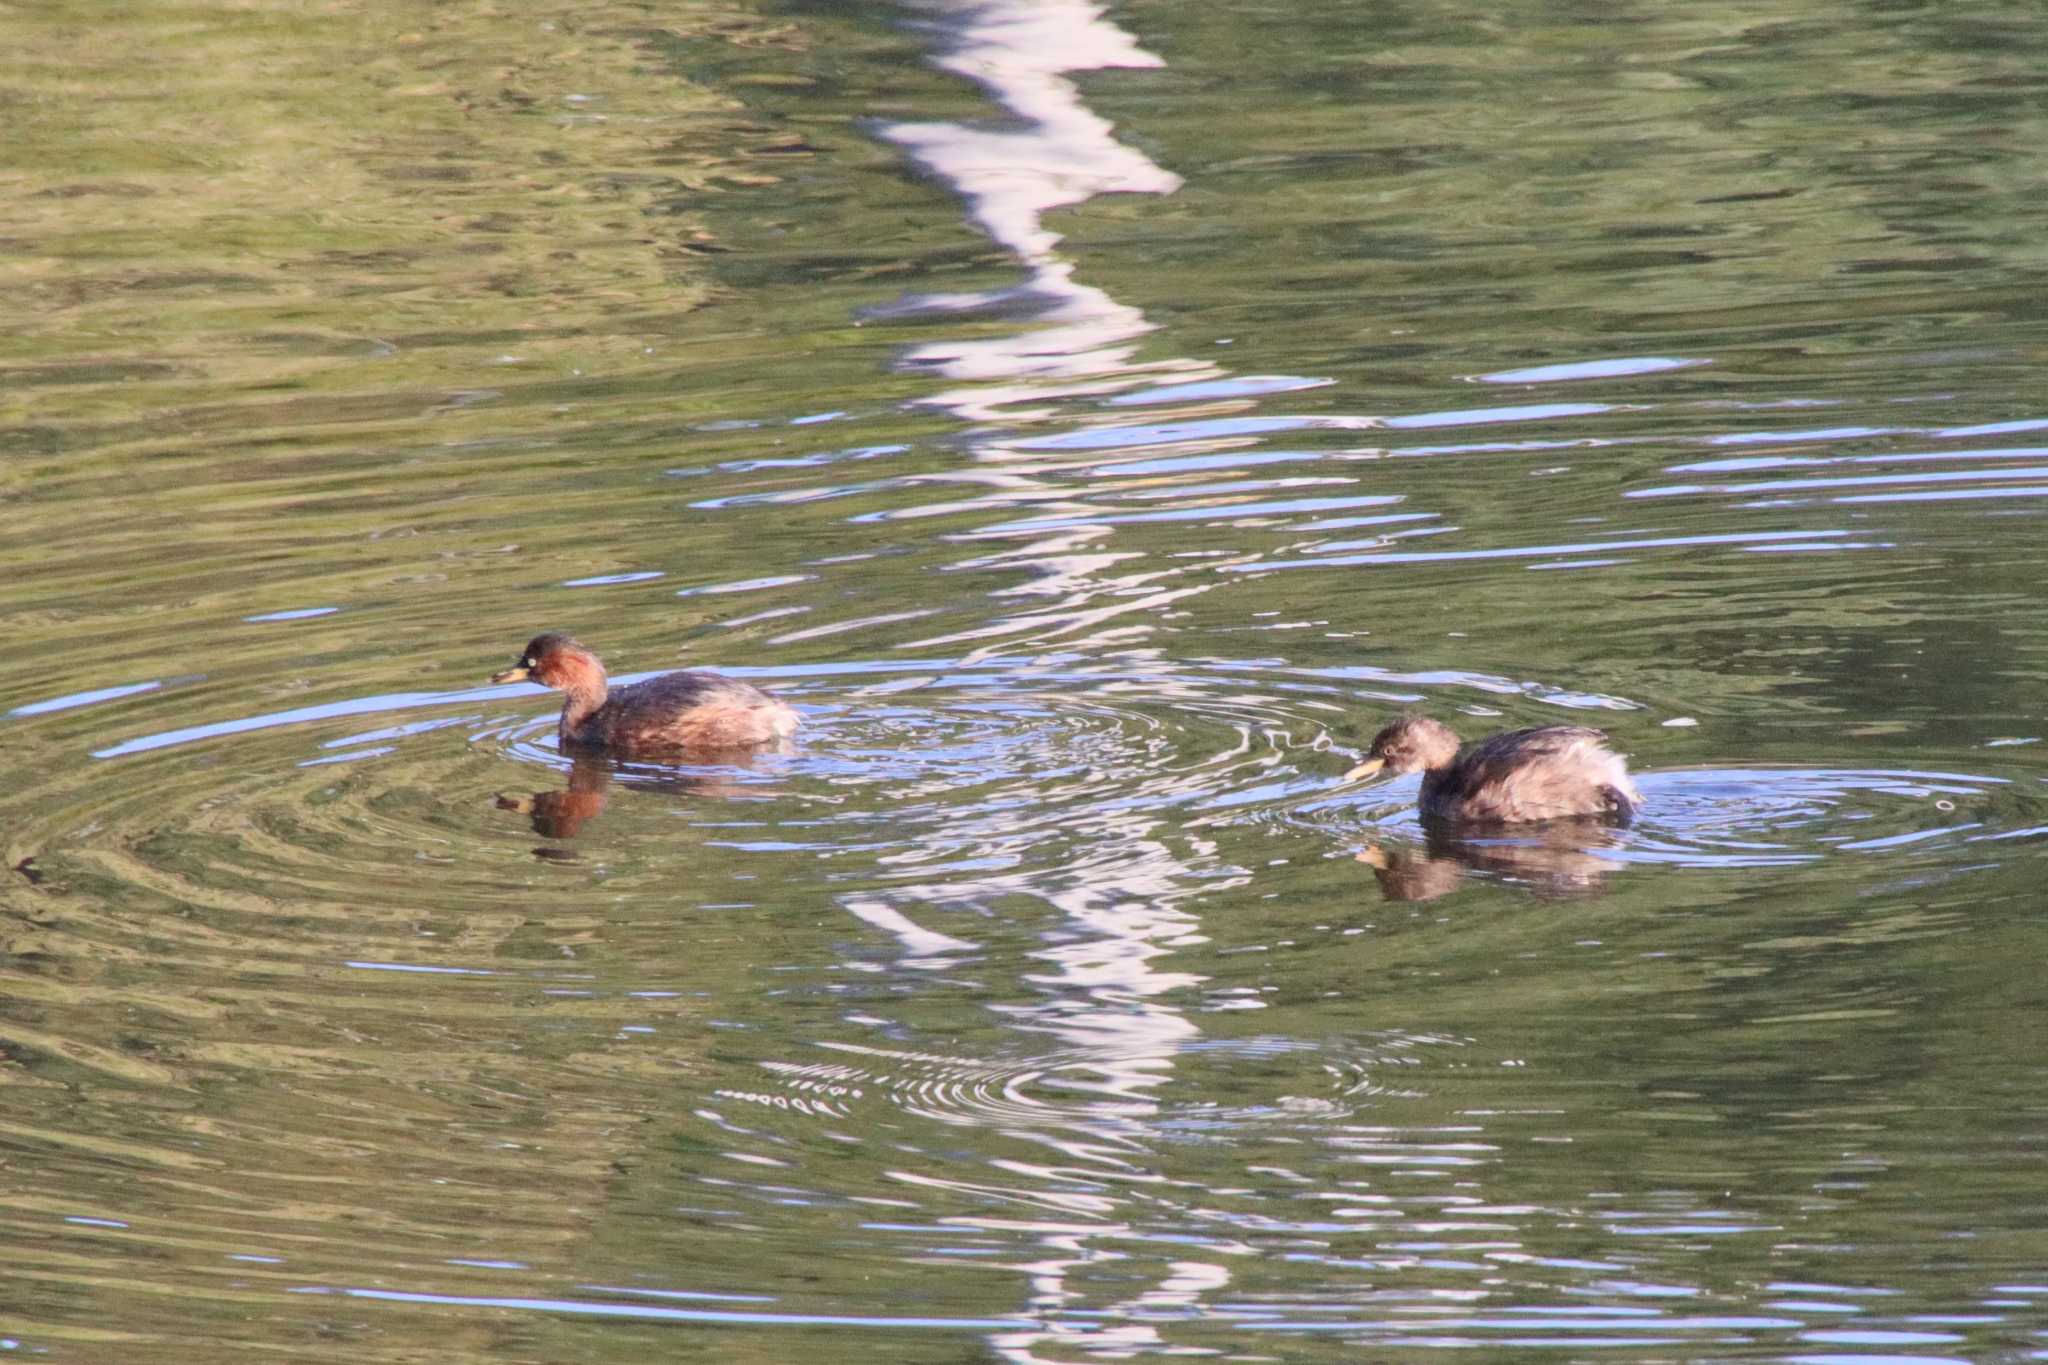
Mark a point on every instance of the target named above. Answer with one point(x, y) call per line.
point(670, 715)
point(1545, 773)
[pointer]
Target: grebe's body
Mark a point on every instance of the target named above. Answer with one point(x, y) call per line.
point(672, 715)
point(1547, 772)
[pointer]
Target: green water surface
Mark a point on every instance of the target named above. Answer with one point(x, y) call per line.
point(1098, 423)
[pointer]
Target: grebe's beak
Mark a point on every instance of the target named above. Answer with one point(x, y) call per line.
point(1372, 855)
point(1365, 769)
point(516, 673)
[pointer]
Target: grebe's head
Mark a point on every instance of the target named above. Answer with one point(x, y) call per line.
point(555, 660)
point(1411, 744)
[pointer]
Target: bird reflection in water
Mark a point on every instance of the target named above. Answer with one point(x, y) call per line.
point(1558, 860)
point(563, 814)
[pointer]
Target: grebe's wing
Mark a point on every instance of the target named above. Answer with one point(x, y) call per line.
point(1540, 773)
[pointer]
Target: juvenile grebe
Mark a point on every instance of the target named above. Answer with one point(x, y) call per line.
point(672, 715)
point(1545, 773)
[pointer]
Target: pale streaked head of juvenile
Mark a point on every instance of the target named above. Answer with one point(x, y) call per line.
point(1411, 744)
point(554, 660)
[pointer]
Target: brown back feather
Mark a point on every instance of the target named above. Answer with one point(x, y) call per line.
point(700, 712)
point(1538, 773)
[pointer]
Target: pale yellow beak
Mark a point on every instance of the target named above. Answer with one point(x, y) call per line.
point(1365, 769)
point(516, 673)
point(1372, 855)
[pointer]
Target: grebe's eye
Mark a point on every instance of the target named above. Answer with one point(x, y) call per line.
point(527, 663)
